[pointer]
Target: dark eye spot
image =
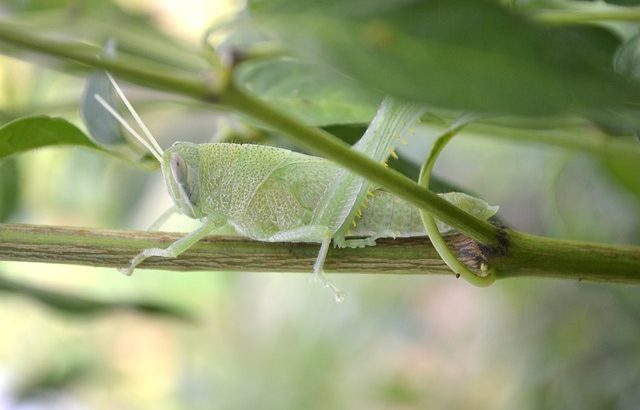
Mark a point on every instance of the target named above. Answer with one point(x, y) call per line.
point(178, 169)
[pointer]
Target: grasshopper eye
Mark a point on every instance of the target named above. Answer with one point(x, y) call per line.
point(181, 170)
point(178, 169)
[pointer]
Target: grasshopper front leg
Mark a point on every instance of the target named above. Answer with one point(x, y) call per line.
point(175, 248)
point(164, 217)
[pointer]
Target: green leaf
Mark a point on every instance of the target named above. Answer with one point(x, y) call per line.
point(624, 167)
point(241, 35)
point(28, 133)
point(455, 54)
point(70, 304)
point(9, 192)
point(627, 58)
point(53, 376)
point(351, 134)
point(101, 125)
point(315, 94)
point(475, 206)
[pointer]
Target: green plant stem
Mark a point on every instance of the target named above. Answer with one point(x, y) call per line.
point(313, 139)
point(529, 256)
point(592, 142)
point(588, 16)
point(135, 70)
point(535, 256)
point(106, 248)
point(429, 222)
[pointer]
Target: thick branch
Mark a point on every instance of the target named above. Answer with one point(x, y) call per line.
point(536, 256)
point(528, 256)
point(106, 248)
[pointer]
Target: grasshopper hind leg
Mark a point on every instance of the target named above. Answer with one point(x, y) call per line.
point(319, 274)
point(313, 233)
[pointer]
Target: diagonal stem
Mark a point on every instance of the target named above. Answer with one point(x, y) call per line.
point(315, 139)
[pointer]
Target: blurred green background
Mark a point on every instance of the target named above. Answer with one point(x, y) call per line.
point(278, 341)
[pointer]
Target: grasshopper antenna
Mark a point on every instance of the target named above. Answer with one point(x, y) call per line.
point(135, 115)
point(124, 123)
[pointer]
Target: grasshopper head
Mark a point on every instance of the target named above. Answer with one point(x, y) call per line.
point(181, 170)
point(180, 163)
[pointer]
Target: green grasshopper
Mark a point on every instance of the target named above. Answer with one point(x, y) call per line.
point(276, 195)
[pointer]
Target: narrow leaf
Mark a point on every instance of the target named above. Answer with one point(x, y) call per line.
point(67, 303)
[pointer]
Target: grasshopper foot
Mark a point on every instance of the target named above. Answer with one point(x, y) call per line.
point(128, 271)
point(319, 276)
point(137, 260)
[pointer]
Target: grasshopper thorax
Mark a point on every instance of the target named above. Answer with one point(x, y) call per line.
point(181, 170)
